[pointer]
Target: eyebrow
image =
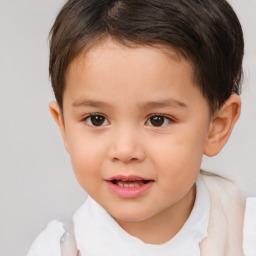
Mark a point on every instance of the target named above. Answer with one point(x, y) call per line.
point(164, 103)
point(89, 103)
point(146, 105)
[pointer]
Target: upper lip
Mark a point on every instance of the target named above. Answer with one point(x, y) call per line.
point(127, 178)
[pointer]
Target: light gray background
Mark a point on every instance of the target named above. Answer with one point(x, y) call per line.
point(36, 179)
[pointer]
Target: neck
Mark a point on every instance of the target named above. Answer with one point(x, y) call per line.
point(165, 225)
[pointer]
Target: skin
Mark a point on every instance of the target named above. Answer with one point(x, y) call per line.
point(126, 87)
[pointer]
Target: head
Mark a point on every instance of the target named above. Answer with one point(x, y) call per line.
point(144, 88)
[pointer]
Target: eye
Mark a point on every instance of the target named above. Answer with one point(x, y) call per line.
point(96, 120)
point(158, 120)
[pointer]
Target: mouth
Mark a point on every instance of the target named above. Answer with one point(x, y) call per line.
point(129, 181)
point(129, 186)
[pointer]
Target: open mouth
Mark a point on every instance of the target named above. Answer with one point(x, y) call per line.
point(129, 181)
point(130, 184)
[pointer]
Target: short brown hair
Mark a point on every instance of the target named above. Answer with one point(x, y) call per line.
point(206, 32)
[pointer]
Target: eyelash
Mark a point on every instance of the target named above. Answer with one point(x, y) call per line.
point(103, 119)
point(166, 119)
point(90, 116)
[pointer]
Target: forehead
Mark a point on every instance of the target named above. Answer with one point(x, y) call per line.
point(108, 52)
point(113, 71)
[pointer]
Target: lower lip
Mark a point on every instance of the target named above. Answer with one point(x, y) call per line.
point(130, 192)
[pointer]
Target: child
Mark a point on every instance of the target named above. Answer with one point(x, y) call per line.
point(144, 88)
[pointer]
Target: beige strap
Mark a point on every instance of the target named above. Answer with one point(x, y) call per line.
point(68, 242)
point(225, 227)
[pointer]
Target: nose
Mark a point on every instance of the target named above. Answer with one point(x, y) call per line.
point(126, 146)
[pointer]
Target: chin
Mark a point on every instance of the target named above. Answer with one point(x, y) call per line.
point(129, 215)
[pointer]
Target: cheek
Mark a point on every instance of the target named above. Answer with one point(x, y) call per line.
point(86, 156)
point(179, 172)
point(179, 157)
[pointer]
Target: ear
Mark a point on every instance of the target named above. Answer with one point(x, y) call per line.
point(57, 115)
point(222, 125)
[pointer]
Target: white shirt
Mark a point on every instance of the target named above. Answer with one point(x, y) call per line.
point(97, 233)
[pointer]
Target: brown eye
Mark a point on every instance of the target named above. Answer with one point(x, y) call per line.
point(158, 121)
point(96, 120)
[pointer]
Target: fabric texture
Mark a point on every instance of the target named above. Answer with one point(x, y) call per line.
point(68, 241)
point(250, 227)
point(225, 230)
point(48, 242)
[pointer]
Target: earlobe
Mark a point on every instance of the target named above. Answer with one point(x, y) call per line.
point(57, 115)
point(222, 125)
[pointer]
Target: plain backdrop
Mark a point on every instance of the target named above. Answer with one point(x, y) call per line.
point(36, 179)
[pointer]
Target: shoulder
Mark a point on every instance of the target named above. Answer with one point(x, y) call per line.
point(47, 242)
point(58, 237)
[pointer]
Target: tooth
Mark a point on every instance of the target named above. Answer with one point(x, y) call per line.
point(119, 183)
point(126, 184)
point(131, 185)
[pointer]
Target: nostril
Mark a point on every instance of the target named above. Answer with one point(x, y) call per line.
point(125, 159)
point(126, 154)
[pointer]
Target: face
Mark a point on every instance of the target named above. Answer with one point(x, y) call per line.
point(135, 126)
